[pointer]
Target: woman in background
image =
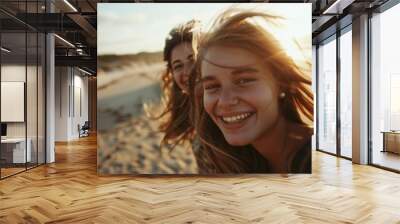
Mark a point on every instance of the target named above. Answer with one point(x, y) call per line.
point(253, 105)
point(179, 54)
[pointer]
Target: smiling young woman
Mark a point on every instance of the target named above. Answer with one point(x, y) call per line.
point(253, 105)
point(179, 52)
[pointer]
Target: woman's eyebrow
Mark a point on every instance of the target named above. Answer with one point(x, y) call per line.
point(179, 61)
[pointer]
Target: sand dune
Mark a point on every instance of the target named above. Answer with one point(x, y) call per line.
point(128, 78)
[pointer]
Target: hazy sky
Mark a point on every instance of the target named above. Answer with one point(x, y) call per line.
point(128, 28)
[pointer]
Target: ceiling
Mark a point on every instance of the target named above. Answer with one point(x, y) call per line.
point(332, 15)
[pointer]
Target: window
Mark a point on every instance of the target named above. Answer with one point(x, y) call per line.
point(346, 93)
point(22, 68)
point(385, 89)
point(327, 96)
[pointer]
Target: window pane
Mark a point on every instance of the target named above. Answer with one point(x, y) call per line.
point(31, 99)
point(346, 94)
point(327, 97)
point(14, 150)
point(385, 89)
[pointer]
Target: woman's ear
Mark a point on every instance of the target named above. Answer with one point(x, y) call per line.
point(281, 91)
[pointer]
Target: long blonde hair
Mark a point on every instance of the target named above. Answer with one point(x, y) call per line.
point(235, 27)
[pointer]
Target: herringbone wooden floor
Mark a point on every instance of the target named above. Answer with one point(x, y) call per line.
point(70, 191)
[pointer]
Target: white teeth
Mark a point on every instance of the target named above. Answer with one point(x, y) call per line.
point(236, 118)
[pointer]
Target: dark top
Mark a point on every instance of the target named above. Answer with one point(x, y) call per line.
point(301, 161)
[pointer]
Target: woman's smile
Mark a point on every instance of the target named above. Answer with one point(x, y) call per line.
point(234, 121)
point(236, 118)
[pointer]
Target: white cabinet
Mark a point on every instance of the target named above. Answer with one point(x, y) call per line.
point(18, 149)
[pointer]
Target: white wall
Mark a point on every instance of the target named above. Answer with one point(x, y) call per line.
point(33, 126)
point(81, 94)
point(70, 84)
point(61, 103)
point(12, 73)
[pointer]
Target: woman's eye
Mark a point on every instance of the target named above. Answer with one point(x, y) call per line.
point(177, 67)
point(244, 81)
point(211, 87)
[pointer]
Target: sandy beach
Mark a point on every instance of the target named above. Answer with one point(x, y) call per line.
point(128, 140)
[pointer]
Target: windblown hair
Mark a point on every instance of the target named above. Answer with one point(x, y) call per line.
point(176, 123)
point(239, 28)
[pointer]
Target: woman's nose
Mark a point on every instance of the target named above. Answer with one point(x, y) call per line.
point(227, 98)
point(187, 68)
